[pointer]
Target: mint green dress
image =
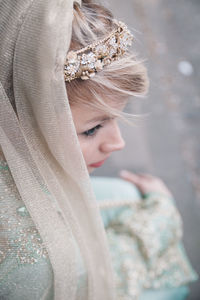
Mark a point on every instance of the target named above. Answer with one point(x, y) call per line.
point(144, 238)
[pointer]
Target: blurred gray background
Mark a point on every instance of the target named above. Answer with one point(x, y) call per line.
point(167, 143)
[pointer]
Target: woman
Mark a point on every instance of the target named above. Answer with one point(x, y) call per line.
point(53, 242)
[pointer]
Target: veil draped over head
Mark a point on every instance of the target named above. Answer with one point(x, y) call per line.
point(40, 145)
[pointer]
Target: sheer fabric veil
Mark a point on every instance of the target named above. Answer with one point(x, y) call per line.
point(39, 142)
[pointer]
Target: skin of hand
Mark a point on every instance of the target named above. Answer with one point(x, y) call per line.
point(146, 183)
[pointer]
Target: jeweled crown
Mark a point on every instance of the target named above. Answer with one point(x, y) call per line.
point(84, 63)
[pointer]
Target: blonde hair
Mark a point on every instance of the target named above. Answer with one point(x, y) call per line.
point(119, 80)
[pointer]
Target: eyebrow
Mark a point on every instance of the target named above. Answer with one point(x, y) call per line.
point(98, 118)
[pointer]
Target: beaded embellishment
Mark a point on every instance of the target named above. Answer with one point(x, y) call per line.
point(84, 63)
point(18, 234)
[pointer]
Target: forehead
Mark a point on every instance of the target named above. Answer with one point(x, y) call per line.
point(88, 114)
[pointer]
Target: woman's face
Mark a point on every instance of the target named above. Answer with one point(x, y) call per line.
point(98, 134)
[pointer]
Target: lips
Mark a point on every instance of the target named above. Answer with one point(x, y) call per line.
point(98, 164)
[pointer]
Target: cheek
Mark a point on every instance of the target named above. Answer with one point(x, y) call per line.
point(87, 149)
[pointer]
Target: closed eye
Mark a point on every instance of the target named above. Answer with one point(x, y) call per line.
point(92, 131)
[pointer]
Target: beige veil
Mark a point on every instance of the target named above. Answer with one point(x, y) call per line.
point(39, 142)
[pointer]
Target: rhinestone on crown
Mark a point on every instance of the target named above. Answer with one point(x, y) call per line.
point(84, 63)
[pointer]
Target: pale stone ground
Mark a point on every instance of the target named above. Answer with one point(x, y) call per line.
point(167, 144)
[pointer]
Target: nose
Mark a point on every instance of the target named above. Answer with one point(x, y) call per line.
point(113, 140)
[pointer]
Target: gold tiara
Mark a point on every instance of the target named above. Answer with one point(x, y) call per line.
point(84, 63)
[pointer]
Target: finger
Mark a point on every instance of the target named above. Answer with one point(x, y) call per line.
point(146, 175)
point(134, 179)
point(129, 176)
point(138, 179)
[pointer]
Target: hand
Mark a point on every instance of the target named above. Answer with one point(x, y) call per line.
point(146, 183)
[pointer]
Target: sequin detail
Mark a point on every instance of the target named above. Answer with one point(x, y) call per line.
point(19, 236)
point(146, 249)
point(22, 251)
point(29, 246)
point(143, 239)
